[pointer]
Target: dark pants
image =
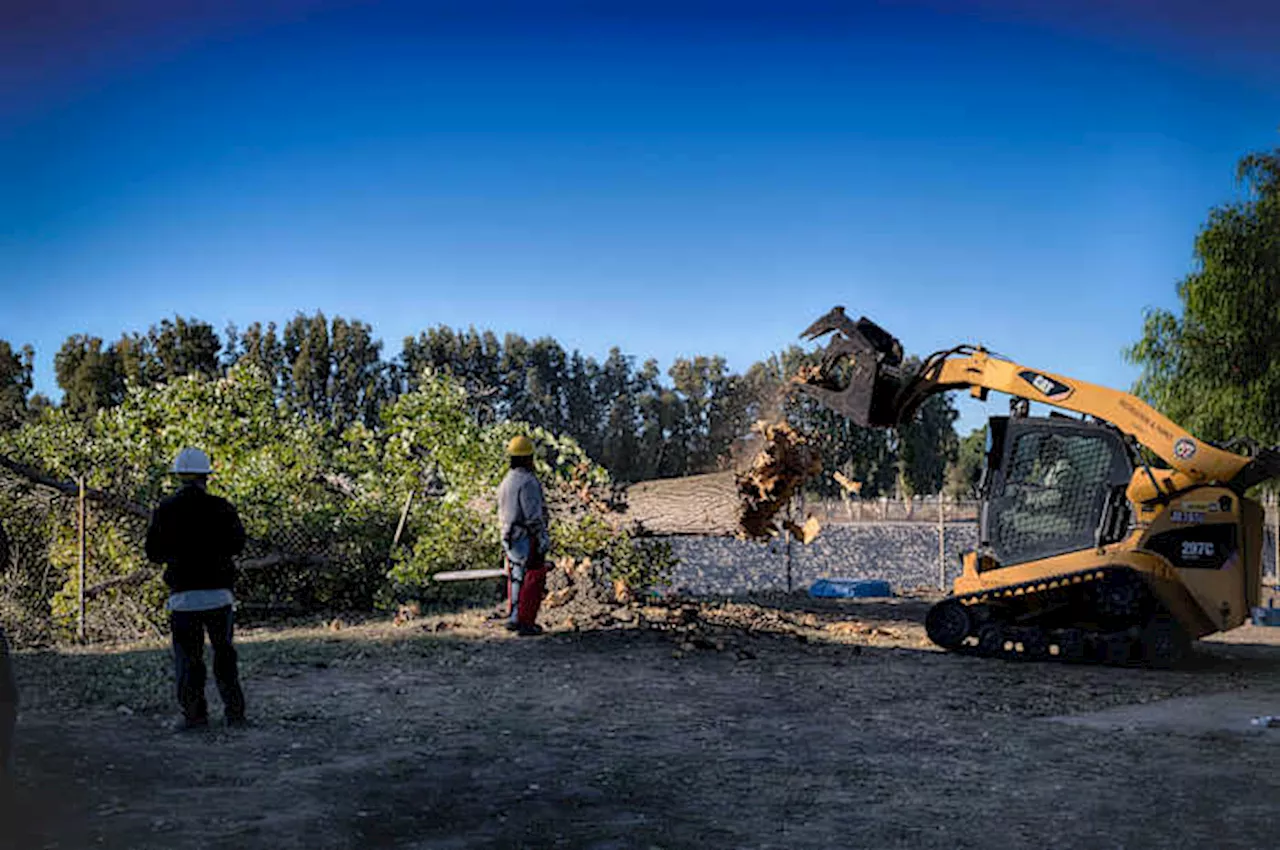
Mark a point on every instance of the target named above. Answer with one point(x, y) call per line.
point(8, 706)
point(189, 629)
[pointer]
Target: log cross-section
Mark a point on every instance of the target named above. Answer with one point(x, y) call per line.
point(696, 504)
point(741, 502)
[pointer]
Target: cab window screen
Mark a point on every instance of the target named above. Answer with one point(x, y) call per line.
point(1052, 494)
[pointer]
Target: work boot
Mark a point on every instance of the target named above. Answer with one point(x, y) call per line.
point(528, 631)
point(185, 724)
point(511, 627)
point(238, 721)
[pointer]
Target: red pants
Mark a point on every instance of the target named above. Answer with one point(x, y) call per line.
point(532, 589)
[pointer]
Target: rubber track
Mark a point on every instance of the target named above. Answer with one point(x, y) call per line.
point(998, 636)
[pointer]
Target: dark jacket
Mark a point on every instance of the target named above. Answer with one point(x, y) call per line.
point(195, 535)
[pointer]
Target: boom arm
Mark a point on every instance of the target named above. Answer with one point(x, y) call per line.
point(877, 393)
point(1198, 461)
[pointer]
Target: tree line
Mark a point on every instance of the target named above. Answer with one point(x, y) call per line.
point(635, 419)
point(320, 438)
point(1214, 368)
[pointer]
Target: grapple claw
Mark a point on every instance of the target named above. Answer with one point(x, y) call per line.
point(862, 334)
point(864, 390)
point(834, 320)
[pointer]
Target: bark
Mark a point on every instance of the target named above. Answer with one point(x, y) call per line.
point(696, 504)
point(741, 502)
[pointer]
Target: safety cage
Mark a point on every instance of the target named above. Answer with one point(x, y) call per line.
point(1052, 486)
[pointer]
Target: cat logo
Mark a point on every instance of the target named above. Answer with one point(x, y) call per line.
point(1184, 449)
point(1051, 389)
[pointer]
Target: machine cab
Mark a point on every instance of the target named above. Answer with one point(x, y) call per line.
point(1051, 485)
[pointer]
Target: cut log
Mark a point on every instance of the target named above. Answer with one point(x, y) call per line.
point(738, 503)
point(468, 575)
point(696, 504)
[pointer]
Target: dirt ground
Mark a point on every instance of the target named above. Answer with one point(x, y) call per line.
point(787, 723)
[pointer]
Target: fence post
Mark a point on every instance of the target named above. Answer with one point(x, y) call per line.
point(942, 543)
point(80, 522)
point(404, 516)
point(786, 531)
point(1275, 544)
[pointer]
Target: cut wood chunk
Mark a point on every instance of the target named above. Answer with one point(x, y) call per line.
point(695, 504)
point(468, 575)
point(806, 533)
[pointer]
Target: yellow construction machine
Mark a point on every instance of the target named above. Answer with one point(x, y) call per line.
point(1114, 536)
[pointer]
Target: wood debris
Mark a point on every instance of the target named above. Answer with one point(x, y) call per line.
point(740, 503)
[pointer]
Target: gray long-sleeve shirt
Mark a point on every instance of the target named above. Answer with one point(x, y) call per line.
point(521, 515)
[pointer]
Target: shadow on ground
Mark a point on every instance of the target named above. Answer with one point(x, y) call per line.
point(449, 732)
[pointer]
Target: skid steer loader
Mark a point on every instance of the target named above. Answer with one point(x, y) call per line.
point(1088, 551)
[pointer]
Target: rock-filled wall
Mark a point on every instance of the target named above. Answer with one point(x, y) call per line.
point(903, 553)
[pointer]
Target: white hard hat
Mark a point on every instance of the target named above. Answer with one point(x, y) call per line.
point(192, 462)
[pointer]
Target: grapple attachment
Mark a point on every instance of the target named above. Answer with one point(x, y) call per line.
point(859, 373)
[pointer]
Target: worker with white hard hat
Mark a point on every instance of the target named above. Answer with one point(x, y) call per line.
point(196, 535)
point(525, 539)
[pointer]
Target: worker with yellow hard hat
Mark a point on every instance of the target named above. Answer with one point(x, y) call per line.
point(525, 539)
point(520, 446)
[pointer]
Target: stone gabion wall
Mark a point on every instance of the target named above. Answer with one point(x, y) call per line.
point(903, 553)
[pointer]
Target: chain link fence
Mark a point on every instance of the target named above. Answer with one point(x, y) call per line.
point(104, 589)
point(911, 543)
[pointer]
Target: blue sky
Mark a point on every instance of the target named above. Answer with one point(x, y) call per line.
point(706, 180)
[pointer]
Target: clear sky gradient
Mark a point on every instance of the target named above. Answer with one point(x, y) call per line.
point(673, 179)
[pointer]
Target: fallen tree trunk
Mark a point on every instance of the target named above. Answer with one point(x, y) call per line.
point(738, 503)
point(696, 504)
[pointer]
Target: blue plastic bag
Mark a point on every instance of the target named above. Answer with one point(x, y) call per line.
point(848, 588)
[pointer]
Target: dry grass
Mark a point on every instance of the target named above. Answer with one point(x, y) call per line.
point(812, 725)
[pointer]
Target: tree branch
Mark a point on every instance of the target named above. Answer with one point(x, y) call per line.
point(69, 488)
point(275, 556)
point(249, 565)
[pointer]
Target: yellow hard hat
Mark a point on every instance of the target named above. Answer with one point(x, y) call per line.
point(520, 446)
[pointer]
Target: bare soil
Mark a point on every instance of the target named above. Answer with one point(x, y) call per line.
point(786, 722)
